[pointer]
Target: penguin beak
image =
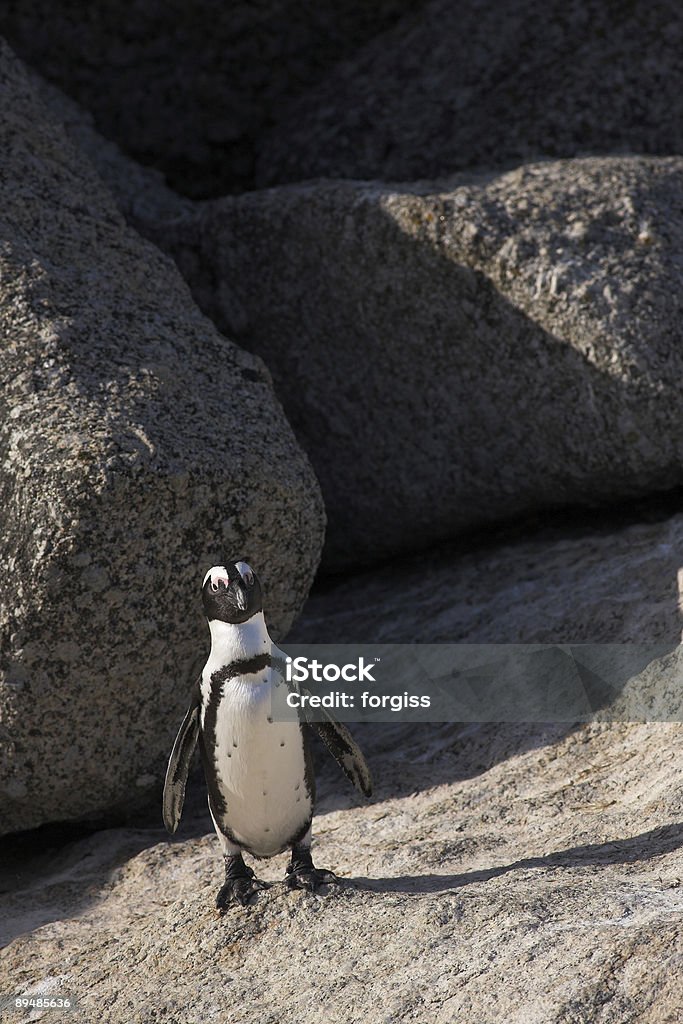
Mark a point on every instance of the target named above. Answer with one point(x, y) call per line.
point(241, 596)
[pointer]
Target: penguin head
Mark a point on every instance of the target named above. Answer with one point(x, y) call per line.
point(231, 592)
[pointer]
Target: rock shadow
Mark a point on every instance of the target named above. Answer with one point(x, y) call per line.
point(654, 843)
point(410, 756)
point(58, 871)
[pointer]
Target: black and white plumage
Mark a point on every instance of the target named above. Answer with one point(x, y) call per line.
point(258, 771)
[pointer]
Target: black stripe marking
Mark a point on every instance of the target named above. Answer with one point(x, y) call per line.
point(309, 771)
point(246, 667)
point(208, 737)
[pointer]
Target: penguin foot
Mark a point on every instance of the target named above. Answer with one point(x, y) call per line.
point(238, 890)
point(240, 884)
point(311, 879)
point(301, 874)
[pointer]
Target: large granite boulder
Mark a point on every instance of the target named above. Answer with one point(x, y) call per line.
point(191, 88)
point(458, 353)
point(139, 447)
point(478, 84)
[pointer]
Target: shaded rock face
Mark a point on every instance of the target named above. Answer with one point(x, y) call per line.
point(139, 447)
point(459, 353)
point(615, 586)
point(139, 192)
point(475, 84)
point(226, 96)
point(190, 88)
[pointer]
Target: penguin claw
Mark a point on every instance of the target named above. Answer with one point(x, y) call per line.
point(239, 890)
point(310, 879)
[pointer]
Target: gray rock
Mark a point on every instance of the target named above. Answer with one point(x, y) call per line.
point(654, 695)
point(475, 84)
point(190, 88)
point(458, 353)
point(501, 875)
point(140, 192)
point(138, 447)
point(614, 586)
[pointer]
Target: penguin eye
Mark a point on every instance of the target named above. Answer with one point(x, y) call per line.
point(249, 579)
point(214, 587)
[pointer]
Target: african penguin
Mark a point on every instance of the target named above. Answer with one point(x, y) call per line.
point(258, 771)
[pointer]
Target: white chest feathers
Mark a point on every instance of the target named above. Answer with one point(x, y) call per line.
point(260, 792)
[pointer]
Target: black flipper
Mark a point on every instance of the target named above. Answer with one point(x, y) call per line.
point(334, 735)
point(345, 751)
point(179, 762)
